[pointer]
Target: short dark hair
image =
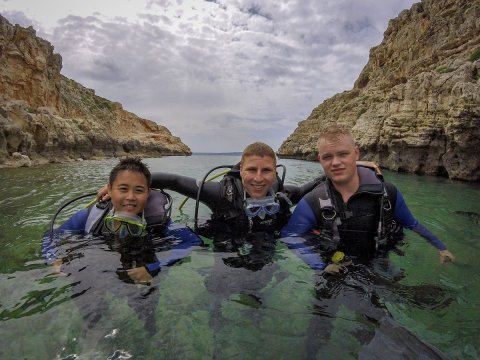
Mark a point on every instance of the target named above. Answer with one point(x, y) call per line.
point(131, 164)
point(258, 149)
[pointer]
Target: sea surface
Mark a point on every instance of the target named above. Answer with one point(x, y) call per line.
point(205, 308)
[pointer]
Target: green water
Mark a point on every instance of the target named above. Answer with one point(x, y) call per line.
point(39, 319)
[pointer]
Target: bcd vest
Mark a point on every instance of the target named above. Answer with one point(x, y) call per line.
point(156, 213)
point(231, 211)
point(362, 225)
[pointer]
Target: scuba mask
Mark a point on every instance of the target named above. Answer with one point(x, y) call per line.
point(124, 224)
point(267, 205)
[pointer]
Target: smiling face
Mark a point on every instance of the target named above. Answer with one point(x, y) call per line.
point(129, 192)
point(258, 174)
point(338, 156)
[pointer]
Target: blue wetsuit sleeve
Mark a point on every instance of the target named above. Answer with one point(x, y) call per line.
point(301, 222)
point(298, 246)
point(75, 224)
point(181, 250)
point(432, 239)
point(48, 247)
point(404, 217)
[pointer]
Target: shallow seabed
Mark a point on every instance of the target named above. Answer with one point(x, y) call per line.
point(205, 309)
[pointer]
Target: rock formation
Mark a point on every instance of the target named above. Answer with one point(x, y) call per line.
point(416, 105)
point(45, 116)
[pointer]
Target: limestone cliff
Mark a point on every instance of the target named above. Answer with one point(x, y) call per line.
point(45, 116)
point(416, 105)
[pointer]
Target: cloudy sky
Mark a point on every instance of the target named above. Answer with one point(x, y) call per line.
point(219, 74)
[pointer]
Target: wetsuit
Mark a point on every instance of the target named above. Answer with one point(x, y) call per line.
point(359, 219)
point(225, 199)
point(366, 286)
point(180, 239)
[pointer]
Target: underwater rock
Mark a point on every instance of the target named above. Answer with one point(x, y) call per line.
point(475, 217)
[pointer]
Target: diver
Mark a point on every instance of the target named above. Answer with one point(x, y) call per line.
point(251, 197)
point(347, 225)
point(131, 236)
point(133, 212)
point(353, 211)
point(249, 206)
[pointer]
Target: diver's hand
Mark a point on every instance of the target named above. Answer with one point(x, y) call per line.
point(446, 256)
point(139, 275)
point(56, 268)
point(335, 268)
point(102, 194)
point(371, 165)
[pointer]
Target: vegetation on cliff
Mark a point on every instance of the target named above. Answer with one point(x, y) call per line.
point(415, 107)
point(46, 117)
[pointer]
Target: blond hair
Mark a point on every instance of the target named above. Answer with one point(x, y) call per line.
point(334, 132)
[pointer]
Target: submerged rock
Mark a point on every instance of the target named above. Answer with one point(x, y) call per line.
point(475, 217)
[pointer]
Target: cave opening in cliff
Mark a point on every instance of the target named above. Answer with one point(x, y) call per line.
point(442, 172)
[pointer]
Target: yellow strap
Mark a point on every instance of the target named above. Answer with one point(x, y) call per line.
point(91, 203)
point(338, 256)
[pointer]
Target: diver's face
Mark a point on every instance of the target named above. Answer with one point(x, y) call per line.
point(129, 192)
point(258, 174)
point(338, 158)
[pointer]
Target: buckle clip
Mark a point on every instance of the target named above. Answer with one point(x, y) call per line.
point(329, 213)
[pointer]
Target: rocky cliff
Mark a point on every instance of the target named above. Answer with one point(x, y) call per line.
point(45, 116)
point(416, 105)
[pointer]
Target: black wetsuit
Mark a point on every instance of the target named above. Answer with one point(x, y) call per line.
point(243, 246)
point(229, 207)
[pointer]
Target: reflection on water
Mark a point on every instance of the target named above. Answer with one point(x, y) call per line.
point(212, 306)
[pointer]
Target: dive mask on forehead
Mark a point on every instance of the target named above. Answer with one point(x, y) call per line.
point(267, 205)
point(124, 224)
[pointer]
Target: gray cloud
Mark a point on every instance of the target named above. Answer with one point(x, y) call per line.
point(18, 17)
point(221, 73)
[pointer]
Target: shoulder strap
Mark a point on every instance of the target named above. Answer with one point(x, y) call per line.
point(391, 192)
point(327, 210)
point(158, 209)
point(232, 189)
point(95, 215)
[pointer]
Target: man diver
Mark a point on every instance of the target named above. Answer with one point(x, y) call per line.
point(353, 217)
point(353, 209)
point(133, 215)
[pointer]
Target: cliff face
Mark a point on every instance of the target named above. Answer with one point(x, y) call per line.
point(45, 116)
point(416, 105)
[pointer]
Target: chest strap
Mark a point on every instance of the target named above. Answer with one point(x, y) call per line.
point(329, 214)
point(95, 215)
point(333, 219)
